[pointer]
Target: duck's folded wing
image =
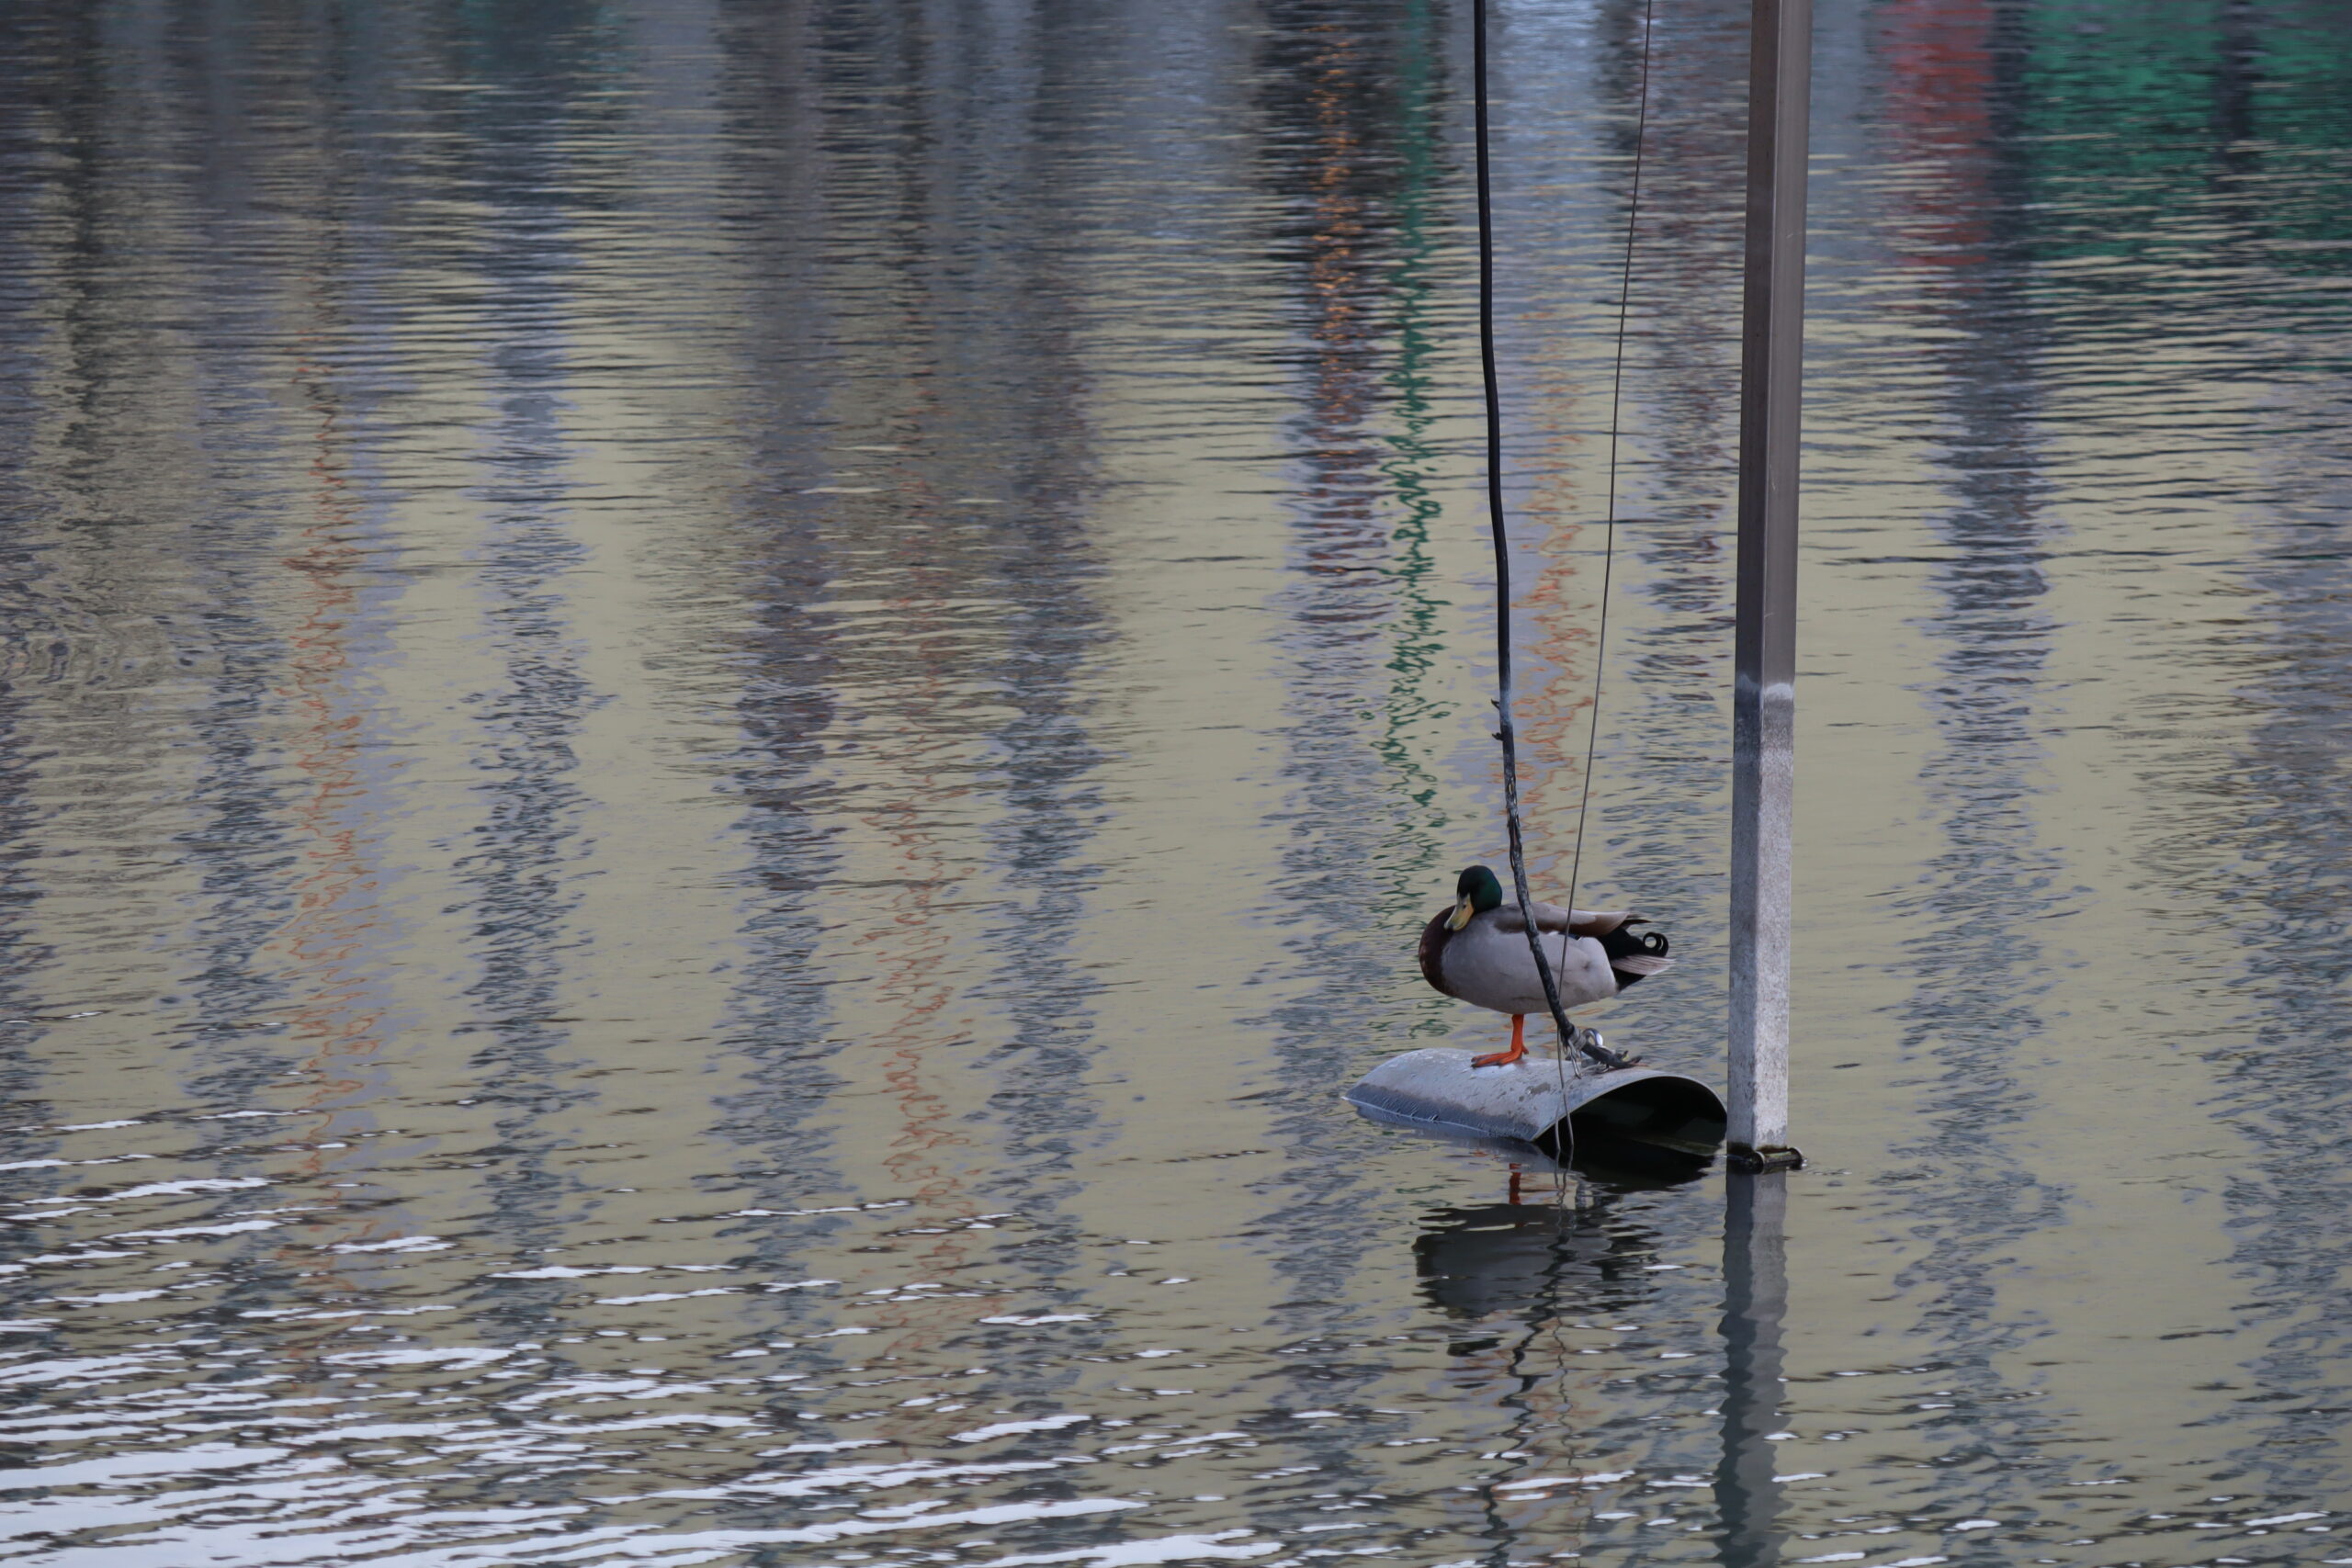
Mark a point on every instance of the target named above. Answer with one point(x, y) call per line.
point(1554, 918)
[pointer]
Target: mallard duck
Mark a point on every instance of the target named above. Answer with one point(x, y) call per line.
point(1476, 951)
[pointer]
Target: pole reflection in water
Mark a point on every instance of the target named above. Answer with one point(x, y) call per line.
point(1755, 1295)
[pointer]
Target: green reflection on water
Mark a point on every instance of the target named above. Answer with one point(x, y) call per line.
point(1409, 740)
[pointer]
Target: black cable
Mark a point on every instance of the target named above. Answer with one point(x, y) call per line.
point(1570, 1036)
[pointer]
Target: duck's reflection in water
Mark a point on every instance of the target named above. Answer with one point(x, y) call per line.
point(1569, 1253)
point(1533, 1262)
point(1509, 1271)
point(1512, 1276)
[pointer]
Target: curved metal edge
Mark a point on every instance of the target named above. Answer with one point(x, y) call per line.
point(1664, 1110)
point(1440, 1089)
point(1603, 1083)
point(1518, 1150)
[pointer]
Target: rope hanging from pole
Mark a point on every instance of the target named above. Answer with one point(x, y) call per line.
point(1616, 427)
point(1570, 1035)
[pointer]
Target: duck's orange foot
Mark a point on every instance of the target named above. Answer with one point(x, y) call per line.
point(1504, 1058)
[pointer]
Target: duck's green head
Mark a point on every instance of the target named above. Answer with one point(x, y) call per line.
point(1475, 891)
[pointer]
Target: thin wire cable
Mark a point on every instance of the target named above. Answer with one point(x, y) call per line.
point(1570, 1036)
point(1616, 405)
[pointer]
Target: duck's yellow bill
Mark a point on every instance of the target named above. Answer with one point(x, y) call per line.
point(1461, 916)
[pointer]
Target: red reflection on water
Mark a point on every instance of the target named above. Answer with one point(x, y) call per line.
point(1341, 533)
point(1938, 81)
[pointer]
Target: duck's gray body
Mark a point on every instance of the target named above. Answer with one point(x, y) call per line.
point(1486, 962)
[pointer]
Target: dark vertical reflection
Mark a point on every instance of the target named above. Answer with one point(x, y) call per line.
point(36, 112)
point(2288, 1091)
point(296, 986)
point(247, 836)
point(2267, 899)
point(1755, 1298)
point(1950, 73)
point(1043, 563)
point(779, 1027)
point(1341, 117)
point(948, 735)
point(529, 167)
point(22, 951)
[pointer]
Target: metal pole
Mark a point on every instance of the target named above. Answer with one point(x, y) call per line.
point(1764, 644)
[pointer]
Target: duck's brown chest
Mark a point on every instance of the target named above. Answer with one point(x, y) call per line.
point(1433, 938)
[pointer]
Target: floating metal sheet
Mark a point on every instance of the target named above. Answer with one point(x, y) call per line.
point(1439, 1090)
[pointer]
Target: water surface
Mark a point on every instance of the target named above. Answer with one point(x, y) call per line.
point(722, 722)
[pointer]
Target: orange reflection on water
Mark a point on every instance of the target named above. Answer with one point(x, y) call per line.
point(336, 922)
point(335, 917)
